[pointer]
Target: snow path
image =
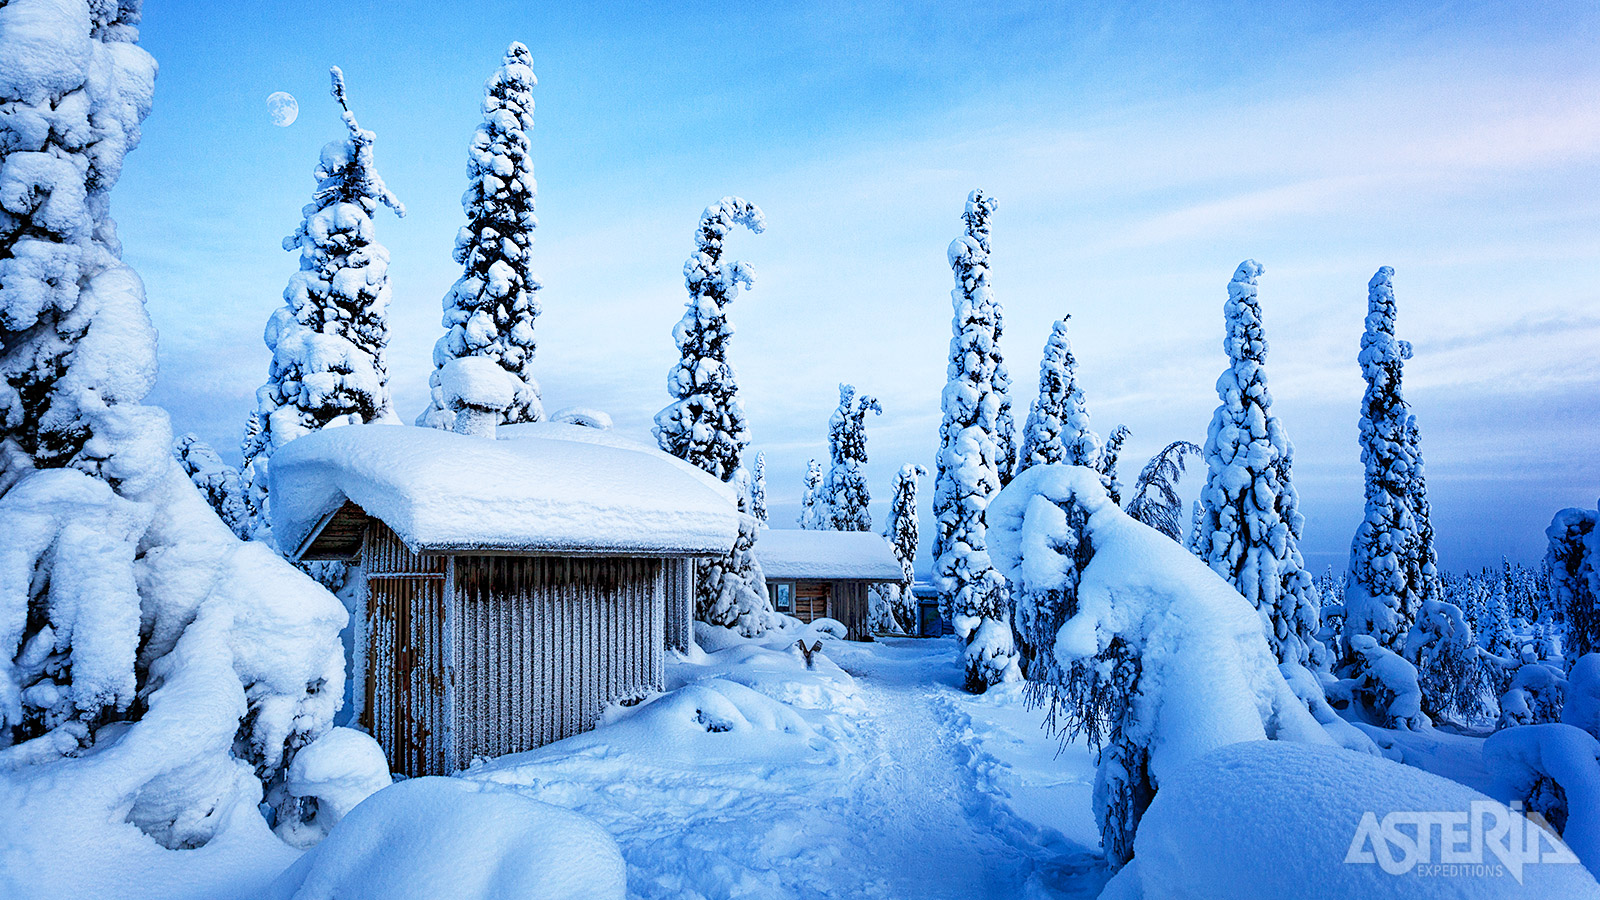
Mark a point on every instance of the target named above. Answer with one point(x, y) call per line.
point(897, 800)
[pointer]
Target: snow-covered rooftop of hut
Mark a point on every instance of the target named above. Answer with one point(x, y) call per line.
point(826, 556)
point(539, 489)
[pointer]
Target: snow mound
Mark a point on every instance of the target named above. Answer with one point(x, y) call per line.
point(1520, 757)
point(716, 706)
point(1274, 819)
point(774, 666)
point(434, 489)
point(443, 837)
point(330, 776)
point(582, 416)
point(1581, 707)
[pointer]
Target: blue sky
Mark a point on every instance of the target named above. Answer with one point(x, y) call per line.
point(1137, 155)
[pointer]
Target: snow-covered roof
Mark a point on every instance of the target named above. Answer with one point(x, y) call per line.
point(826, 555)
point(538, 489)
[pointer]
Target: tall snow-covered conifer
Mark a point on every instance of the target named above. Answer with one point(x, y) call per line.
point(143, 647)
point(813, 506)
point(1573, 560)
point(970, 463)
point(328, 338)
point(758, 490)
point(845, 491)
point(491, 308)
point(1250, 534)
point(897, 604)
point(1386, 584)
point(705, 423)
point(1058, 430)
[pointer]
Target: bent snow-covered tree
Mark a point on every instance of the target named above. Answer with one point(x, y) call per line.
point(328, 338)
point(1146, 652)
point(705, 423)
point(970, 462)
point(897, 604)
point(845, 491)
point(183, 666)
point(1250, 533)
point(1155, 500)
point(813, 508)
point(491, 308)
point(1386, 584)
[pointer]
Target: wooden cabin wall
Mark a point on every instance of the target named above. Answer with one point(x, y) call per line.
point(679, 579)
point(543, 643)
point(404, 667)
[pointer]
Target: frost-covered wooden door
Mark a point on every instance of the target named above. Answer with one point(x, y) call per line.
point(404, 664)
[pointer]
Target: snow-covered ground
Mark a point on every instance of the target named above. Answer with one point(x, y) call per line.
point(898, 785)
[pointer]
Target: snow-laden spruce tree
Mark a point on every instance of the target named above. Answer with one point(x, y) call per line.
point(1155, 500)
point(896, 604)
point(845, 491)
point(144, 650)
point(705, 423)
point(1057, 429)
point(491, 308)
point(1109, 455)
point(813, 507)
point(1385, 587)
point(217, 481)
point(1573, 561)
point(758, 490)
point(970, 462)
point(328, 338)
point(1430, 585)
point(1250, 534)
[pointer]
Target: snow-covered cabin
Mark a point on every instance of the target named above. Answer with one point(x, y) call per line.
point(812, 574)
point(513, 586)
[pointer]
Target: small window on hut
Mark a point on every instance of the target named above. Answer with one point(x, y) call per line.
point(782, 597)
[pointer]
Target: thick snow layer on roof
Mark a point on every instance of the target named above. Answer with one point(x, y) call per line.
point(551, 489)
point(824, 555)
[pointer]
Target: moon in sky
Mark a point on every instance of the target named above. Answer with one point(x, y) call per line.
point(282, 108)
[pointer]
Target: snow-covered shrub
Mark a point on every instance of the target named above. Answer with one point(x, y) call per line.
point(1057, 430)
point(1387, 582)
point(1155, 500)
point(1581, 708)
point(1441, 646)
point(845, 491)
point(1144, 649)
point(974, 460)
point(450, 837)
point(217, 481)
point(327, 779)
point(1251, 531)
point(156, 670)
point(1573, 562)
point(328, 339)
point(476, 391)
point(705, 424)
point(1274, 819)
point(897, 604)
point(1380, 687)
point(813, 510)
point(491, 308)
point(1555, 770)
point(1537, 694)
point(758, 490)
